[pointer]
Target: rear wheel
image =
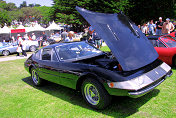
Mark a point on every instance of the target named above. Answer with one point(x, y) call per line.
point(32, 48)
point(35, 77)
point(95, 94)
point(5, 52)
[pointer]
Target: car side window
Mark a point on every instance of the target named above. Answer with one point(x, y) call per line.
point(46, 54)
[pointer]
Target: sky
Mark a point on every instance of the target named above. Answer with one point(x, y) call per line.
point(41, 2)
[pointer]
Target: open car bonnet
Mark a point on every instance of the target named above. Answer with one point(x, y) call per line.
point(126, 41)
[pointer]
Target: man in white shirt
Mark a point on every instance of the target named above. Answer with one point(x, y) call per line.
point(33, 36)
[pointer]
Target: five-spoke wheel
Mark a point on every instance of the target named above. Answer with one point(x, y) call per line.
point(95, 94)
point(35, 77)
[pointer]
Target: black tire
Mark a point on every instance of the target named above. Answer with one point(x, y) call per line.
point(5, 52)
point(95, 94)
point(35, 77)
point(32, 48)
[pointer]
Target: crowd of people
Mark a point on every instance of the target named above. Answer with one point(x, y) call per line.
point(89, 35)
point(158, 28)
point(92, 37)
point(21, 42)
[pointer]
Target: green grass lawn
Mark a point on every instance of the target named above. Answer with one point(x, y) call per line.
point(20, 99)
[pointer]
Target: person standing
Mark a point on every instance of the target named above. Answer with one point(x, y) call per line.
point(159, 26)
point(151, 28)
point(139, 26)
point(33, 37)
point(44, 38)
point(23, 47)
point(167, 27)
point(97, 39)
point(64, 35)
point(26, 37)
point(144, 28)
point(19, 40)
point(70, 37)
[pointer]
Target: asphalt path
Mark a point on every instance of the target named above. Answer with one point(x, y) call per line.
point(14, 58)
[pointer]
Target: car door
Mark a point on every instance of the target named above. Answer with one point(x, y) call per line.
point(13, 47)
point(48, 66)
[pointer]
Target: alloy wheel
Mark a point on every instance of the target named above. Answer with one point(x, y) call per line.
point(91, 94)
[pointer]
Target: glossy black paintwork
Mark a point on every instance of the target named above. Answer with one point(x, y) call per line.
point(69, 73)
point(126, 41)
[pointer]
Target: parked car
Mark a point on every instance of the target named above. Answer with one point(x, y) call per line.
point(9, 48)
point(166, 48)
point(133, 70)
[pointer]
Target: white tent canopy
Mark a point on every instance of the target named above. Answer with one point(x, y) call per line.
point(29, 29)
point(54, 26)
point(38, 27)
point(4, 30)
point(20, 27)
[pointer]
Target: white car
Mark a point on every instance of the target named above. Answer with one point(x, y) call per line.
point(8, 48)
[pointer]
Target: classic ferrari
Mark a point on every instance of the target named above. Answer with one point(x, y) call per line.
point(166, 48)
point(132, 69)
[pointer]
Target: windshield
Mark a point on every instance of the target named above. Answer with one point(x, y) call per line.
point(169, 40)
point(75, 51)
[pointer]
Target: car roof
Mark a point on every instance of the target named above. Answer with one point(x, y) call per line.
point(60, 44)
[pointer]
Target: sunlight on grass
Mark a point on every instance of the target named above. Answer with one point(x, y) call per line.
point(20, 99)
point(105, 49)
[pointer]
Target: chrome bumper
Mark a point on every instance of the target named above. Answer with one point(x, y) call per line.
point(139, 93)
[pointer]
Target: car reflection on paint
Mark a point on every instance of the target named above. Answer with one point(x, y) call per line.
point(132, 69)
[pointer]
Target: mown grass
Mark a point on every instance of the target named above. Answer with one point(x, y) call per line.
point(20, 99)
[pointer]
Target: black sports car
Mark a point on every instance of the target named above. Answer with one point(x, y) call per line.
point(133, 70)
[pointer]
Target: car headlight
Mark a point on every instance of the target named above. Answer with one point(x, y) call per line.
point(133, 84)
point(143, 80)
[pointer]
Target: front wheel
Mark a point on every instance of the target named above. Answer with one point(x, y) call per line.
point(95, 94)
point(32, 48)
point(35, 77)
point(5, 52)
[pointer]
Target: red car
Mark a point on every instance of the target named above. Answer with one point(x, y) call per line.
point(166, 47)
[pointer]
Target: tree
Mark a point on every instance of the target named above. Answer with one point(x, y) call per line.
point(24, 4)
point(31, 5)
point(3, 4)
point(4, 17)
point(64, 10)
point(144, 10)
point(44, 14)
point(11, 7)
point(37, 5)
point(30, 12)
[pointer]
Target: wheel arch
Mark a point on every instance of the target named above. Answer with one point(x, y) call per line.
point(6, 50)
point(84, 76)
point(30, 67)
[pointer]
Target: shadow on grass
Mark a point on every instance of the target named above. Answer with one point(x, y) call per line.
point(120, 106)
